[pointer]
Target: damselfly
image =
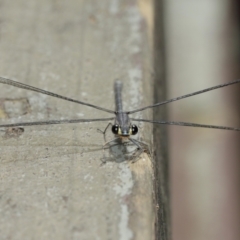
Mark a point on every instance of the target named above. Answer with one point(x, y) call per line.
point(122, 127)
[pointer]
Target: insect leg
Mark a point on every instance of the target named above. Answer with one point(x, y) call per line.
point(104, 146)
point(138, 151)
point(104, 132)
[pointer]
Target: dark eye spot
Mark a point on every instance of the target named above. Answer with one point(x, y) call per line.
point(115, 129)
point(134, 129)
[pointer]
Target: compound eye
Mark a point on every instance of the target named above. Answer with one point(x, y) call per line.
point(115, 129)
point(134, 129)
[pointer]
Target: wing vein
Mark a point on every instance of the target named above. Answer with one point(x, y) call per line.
point(186, 124)
point(65, 121)
point(31, 88)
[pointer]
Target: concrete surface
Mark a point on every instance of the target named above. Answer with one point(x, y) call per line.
point(53, 182)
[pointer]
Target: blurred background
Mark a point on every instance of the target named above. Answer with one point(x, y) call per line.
point(202, 50)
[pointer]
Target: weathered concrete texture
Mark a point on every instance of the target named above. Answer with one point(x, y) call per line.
point(53, 182)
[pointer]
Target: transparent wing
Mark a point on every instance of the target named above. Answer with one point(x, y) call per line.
point(28, 87)
point(185, 96)
point(187, 124)
point(55, 122)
